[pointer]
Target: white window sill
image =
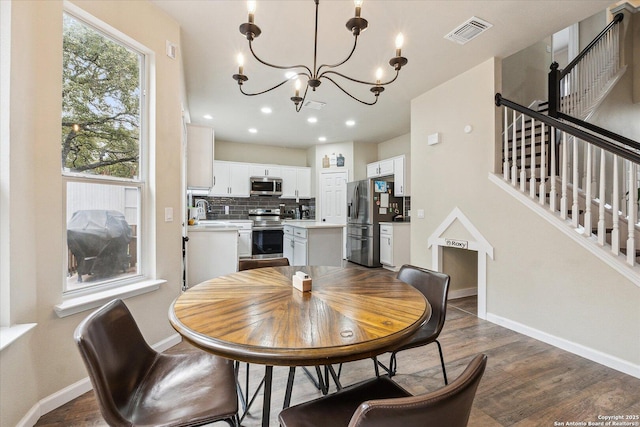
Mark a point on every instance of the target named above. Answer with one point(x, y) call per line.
point(9, 334)
point(82, 303)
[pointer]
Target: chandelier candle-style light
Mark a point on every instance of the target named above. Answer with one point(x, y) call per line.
point(314, 76)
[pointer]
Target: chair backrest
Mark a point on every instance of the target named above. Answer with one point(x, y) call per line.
point(250, 264)
point(448, 406)
point(116, 356)
point(434, 286)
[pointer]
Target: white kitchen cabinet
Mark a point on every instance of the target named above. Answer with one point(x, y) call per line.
point(398, 167)
point(211, 252)
point(200, 155)
point(401, 176)
point(256, 169)
point(380, 168)
point(296, 183)
point(231, 179)
point(395, 244)
point(313, 243)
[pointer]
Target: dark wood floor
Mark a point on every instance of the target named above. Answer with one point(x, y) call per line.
point(527, 382)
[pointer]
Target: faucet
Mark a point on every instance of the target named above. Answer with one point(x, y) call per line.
point(203, 207)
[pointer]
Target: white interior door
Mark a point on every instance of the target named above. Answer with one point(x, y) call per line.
point(333, 197)
point(333, 200)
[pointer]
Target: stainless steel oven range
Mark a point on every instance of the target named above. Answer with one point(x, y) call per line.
point(267, 233)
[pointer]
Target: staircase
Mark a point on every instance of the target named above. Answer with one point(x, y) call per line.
point(578, 175)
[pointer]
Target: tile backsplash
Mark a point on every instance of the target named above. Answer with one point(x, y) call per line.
point(239, 206)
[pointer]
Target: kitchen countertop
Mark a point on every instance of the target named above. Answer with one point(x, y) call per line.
point(213, 226)
point(311, 224)
point(405, 222)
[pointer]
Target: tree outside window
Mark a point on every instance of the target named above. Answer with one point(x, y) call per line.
point(101, 155)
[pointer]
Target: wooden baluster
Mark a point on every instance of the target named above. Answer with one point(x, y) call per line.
point(523, 166)
point(532, 156)
point(602, 232)
point(542, 189)
point(565, 177)
point(587, 195)
point(575, 207)
point(632, 216)
point(552, 175)
point(505, 164)
point(514, 150)
point(615, 200)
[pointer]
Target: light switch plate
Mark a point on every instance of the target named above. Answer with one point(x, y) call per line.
point(421, 213)
point(434, 138)
point(168, 214)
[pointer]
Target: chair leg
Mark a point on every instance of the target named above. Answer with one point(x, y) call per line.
point(377, 363)
point(444, 371)
point(393, 364)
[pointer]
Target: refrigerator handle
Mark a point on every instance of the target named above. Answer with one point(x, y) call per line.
point(357, 199)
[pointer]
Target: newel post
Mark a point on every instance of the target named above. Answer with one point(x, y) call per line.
point(554, 90)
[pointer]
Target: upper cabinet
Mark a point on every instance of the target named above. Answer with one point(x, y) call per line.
point(199, 157)
point(396, 166)
point(274, 171)
point(296, 183)
point(401, 176)
point(380, 168)
point(230, 179)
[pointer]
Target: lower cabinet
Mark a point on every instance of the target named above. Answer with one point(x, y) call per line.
point(211, 253)
point(394, 245)
point(313, 245)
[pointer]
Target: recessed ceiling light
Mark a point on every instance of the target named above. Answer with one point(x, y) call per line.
point(322, 139)
point(253, 130)
point(350, 123)
point(208, 116)
point(312, 119)
point(266, 110)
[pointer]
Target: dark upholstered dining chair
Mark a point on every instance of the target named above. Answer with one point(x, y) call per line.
point(381, 402)
point(250, 264)
point(435, 287)
point(137, 386)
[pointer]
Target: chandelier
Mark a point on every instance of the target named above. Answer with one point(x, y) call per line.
point(314, 76)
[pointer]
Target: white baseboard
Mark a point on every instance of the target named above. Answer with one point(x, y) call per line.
point(577, 349)
point(462, 293)
point(76, 390)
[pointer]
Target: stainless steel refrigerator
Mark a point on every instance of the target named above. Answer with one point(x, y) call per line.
point(365, 210)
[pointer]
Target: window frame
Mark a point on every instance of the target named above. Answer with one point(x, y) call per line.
point(74, 300)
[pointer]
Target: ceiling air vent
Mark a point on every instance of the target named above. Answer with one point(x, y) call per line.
point(315, 105)
point(469, 30)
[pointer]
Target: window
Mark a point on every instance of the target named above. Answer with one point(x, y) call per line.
point(103, 142)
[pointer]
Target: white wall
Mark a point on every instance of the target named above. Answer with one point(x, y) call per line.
point(46, 360)
point(539, 278)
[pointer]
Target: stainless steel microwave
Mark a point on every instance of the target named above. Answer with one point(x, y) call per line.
point(266, 186)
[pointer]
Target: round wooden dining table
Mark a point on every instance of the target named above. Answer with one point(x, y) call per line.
point(257, 316)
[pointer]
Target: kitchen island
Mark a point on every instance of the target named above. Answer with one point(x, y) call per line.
point(308, 242)
point(212, 251)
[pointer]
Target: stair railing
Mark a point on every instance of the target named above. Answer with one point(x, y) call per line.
point(591, 206)
point(578, 88)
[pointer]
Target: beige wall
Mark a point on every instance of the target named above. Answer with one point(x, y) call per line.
point(462, 266)
point(266, 154)
point(539, 278)
point(525, 74)
point(395, 147)
point(46, 361)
